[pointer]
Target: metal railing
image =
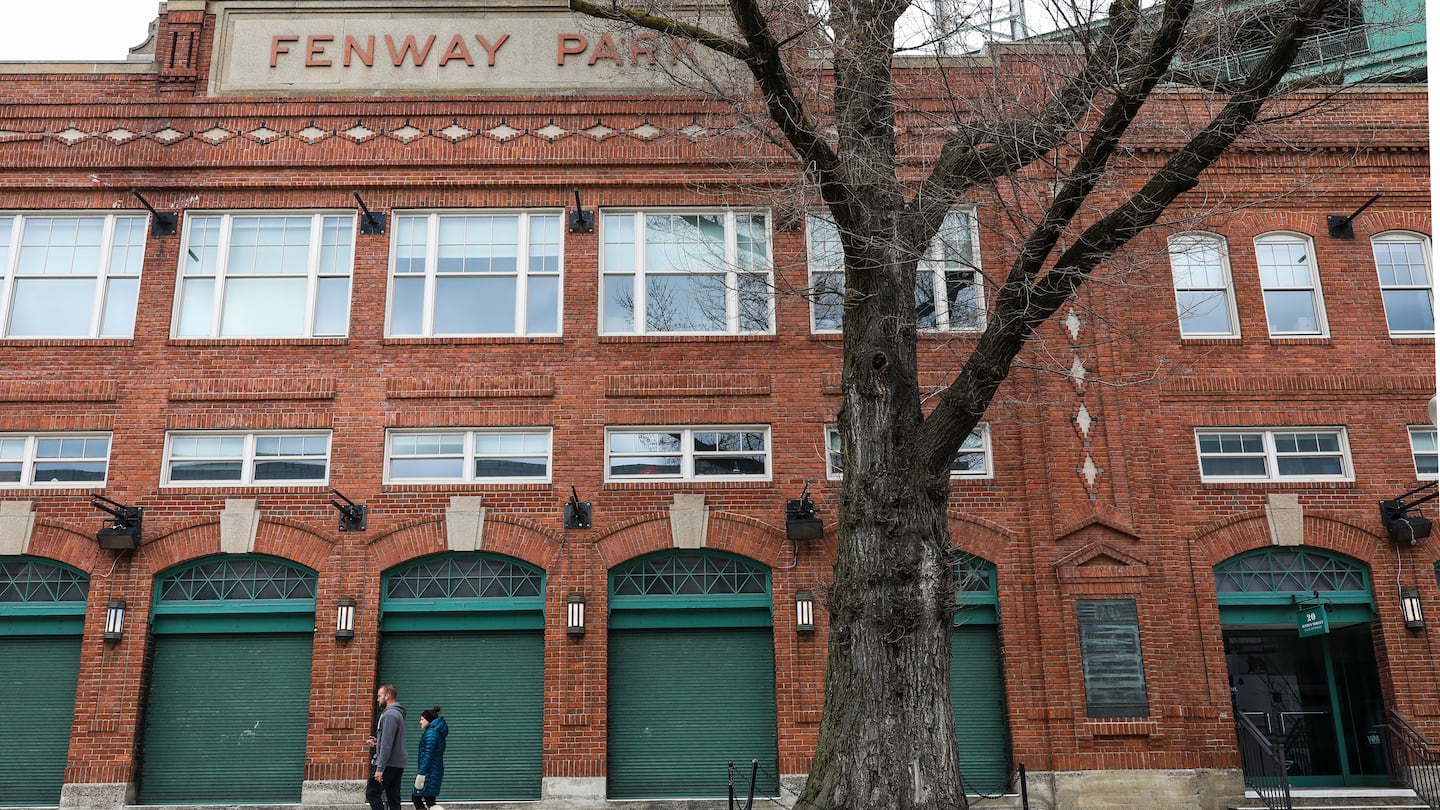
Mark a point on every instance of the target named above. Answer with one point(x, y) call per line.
point(1267, 772)
point(1413, 760)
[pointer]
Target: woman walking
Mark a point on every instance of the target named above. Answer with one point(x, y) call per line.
point(431, 769)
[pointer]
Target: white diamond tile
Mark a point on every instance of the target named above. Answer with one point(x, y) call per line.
point(359, 132)
point(1072, 322)
point(1083, 421)
point(1077, 371)
point(264, 134)
point(120, 135)
point(503, 132)
point(215, 134)
point(312, 133)
point(455, 132)
point(551, 131)
point(169, 135)
point(599, 131)
point(645, 132)
point(693, 131)
point(1090, 471)
point(407, 133)
point(71, 136)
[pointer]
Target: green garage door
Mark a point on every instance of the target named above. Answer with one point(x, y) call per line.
point(227, 713)
point(692, 676)
point(977, 692)
point(42, 615)
point(489, 686)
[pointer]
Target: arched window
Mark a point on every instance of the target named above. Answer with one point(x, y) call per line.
point(1204, 294)
point(1291, 285)
point(1402, 260)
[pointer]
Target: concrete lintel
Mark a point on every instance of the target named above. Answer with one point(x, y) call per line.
point(689, 519)
point(1286, 519)
point(17, 526)
point(465, 524)
point(239, 525)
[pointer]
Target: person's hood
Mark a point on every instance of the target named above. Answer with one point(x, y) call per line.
point(396, 707)
point(439, 726)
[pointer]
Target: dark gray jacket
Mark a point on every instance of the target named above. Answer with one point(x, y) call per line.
point(390, 738)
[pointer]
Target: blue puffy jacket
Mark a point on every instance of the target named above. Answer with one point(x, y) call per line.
point(432, 756)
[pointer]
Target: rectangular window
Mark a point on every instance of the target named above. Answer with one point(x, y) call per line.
point(972, 461)
point(265, 276)
point(468, 456)
point(1405, 284)
point(1255, 454)
point(1110, 655)
point(482, 274)
point(54, 459)
point(1203, 291)
point(1424, 449)
point(227, 458)
point(686, 273)
point(1291, 291)
point(688, 454)
point(70, 276)
point(949, 295)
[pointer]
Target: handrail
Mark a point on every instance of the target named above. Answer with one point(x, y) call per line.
point(1264, 764)
point(1414, 761)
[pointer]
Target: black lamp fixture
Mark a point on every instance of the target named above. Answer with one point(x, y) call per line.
point(370, 222)
point(1339, 225)
point(352, 515)
point(125, 524)
point(800, 520)
point(114, 621)
point(804, 612)
point(577, 512)
point(1410, 609)
point(575, 616)
point(1400, 524)
point(581, 221)
point(162, 223)
point(345, 619)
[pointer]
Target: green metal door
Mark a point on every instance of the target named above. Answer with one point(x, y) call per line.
point(227, 719)
point(684, 703)
point(37, 678)
point(978, 700)
point(490, 687)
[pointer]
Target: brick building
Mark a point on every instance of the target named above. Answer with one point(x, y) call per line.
point(1136, 555)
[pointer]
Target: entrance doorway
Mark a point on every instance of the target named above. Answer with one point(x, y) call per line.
point(1319, 695)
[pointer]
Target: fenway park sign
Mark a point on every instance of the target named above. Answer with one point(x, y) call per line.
point(375, 49)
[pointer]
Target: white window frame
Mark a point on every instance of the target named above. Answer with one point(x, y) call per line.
point(247, 459)
point(982, 430)
point(468, 454)
point(1179, 244)
point(1317, 299)
point(1271, 456)
point(432, 274)
point(731, 269)
point(931, 264)
point(30, 458)
point(13, 224)
point(1406, 237)
point(222, 275)
point(687, 454)
point(1415, 452)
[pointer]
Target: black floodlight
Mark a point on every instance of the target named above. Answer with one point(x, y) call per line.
point(124, 529)
point(800, 520)
point(577, 512)
point(1400, 523)
point(352, 515)
point(581, 221)
point(371, 223)
point(1339, 225)
point(162, 223)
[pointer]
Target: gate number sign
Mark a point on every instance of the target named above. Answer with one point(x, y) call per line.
point(1313, 621)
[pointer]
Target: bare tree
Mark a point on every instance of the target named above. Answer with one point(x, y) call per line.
point(1050, 128)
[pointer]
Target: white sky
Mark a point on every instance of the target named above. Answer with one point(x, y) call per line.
point(84, 30)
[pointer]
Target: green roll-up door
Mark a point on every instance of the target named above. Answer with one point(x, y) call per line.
point(978, 698)
point(686, 702)
point(489, 685)
point(37, 678)
point(226, 719)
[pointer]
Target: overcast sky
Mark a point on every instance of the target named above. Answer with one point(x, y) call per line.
point(89, 30)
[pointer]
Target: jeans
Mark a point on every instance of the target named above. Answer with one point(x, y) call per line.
point(389, 784)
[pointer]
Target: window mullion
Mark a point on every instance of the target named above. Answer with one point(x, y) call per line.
point(467, 450)
point(27, 466)
point(8, 272)
point(432, 270)
point(312, 273)
point(247, 461)
point(1272, 457)
point(638, 286)
point(222, 267)
point(732, 274)
point(107, 244)
point(522, 275)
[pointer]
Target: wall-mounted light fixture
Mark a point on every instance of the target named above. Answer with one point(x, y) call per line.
point(352, 515)
point(801, 522)
point(125, 525)
point(1410, 608)
point(162, 223)
point(575, 616)
point(345, 619)
point(1339, 225)
point(1402, 526)
point(114, 621)
point(577, 512)
point(370, 222)
point(804, 612)
point(581, 221)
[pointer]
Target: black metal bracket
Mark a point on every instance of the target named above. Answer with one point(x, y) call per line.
point(581, 221)
point(1339, 225)
point(162, 223)
point(126, 524)
point(801, 521)
point(1313, 600)
point(371, 223)
point(352, 515)
point(577, 512)
point(1399, 523)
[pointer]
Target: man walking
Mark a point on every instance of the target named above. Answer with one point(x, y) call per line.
point(388, 760)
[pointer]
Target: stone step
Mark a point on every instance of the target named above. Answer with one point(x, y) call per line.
point(1341, 799)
